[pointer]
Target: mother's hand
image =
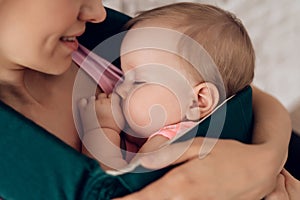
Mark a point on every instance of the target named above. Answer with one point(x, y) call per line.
point(232, 170)
point(288, 188)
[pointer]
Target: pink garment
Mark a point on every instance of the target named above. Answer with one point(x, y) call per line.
point(102, 71)
point(107, 75)
point(172, 130)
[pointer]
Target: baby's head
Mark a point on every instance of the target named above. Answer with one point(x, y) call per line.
point(220, 33)
point(166, 78)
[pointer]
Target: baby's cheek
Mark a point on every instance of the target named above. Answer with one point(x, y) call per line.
point(151, 107)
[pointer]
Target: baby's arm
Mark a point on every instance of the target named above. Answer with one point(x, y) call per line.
point(165, 134)
point(101, 143)
point(162, 136)
point(153, 144)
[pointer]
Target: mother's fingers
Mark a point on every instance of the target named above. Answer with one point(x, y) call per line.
point(292, 185)
point(289, 178)
point(280, 192)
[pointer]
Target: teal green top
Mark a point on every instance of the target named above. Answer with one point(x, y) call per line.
point(35, 164)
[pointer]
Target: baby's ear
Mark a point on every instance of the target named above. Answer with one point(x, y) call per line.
point(207, 96)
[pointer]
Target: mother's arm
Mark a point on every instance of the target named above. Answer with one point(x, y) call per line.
point(232, 170)
point(272, 128)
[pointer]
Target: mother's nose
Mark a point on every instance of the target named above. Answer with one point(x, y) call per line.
point(92, 11)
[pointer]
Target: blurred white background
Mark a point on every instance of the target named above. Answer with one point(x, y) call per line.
point(274, 27)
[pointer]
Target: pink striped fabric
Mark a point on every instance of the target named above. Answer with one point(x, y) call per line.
point(102, 71)
point(170, 131)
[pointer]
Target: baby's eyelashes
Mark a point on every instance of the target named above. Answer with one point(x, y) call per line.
point(138, 82)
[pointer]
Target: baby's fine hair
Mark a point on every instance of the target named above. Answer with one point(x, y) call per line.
point(220, 33)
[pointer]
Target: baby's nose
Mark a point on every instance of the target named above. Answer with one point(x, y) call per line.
point(121, 90)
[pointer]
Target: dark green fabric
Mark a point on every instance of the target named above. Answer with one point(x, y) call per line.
point(237, 125)
point(36, 165)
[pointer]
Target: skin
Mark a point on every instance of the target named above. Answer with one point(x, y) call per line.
point(287, 188)
point(253, 182)
point(141, 91)
point(42, 65)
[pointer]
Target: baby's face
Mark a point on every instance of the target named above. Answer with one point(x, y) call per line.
point(154, 92)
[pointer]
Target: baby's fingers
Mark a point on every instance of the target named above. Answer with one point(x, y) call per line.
point(82, 103)
point(102, 96)
point(87, 103)
point(87, 113)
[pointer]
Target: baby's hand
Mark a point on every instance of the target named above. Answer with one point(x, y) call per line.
point(87, 114)
point(109, 112)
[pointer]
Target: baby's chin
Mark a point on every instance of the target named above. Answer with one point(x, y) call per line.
point(145, 131)
point(144, 124)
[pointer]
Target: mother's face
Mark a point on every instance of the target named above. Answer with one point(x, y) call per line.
point(41, 34)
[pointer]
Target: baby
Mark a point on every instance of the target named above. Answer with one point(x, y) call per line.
point(179, 62)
